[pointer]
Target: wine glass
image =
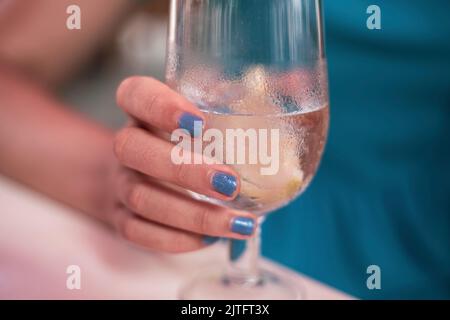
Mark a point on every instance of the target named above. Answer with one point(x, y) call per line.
point(258, 66)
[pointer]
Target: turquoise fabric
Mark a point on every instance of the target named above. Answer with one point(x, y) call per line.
point(381, 195)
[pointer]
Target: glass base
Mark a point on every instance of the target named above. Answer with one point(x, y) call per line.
point(216, 286)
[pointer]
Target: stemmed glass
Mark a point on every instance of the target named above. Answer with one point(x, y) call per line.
point(254, 65)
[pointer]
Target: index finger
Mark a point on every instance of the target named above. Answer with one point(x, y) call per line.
point(154, 103)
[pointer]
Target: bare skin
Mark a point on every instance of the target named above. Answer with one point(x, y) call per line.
point(124, 178)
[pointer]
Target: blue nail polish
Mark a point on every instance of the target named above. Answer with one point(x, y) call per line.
point(224, 183)
point(210, 240)
point(243, 225)
point(191, 124)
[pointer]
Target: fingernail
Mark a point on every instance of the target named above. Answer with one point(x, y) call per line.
point(210, 240)
point(224, 183)
point(243, 225)
point(191, 123)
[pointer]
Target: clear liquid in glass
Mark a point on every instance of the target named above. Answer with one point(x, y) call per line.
point(294, 104)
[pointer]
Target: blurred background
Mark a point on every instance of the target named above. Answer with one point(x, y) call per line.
point(138, 48)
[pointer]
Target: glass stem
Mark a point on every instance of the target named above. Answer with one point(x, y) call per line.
point(243, 259)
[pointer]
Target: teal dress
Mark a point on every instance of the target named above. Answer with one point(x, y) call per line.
point(382, 193)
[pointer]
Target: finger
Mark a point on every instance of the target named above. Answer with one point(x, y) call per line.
point(156, 104)
point(155, 236)
point(137, 149)
point(165, 206)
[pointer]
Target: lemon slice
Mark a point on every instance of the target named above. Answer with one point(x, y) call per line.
point(294, 184)
point(273, 194)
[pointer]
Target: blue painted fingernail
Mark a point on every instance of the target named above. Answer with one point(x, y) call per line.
point(243, 225)
point(224, 183)
point(191, 123)
point(210, 240)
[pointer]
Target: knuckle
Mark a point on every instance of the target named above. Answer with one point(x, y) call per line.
point(201, 221)
point(126, 88)
point(178, 245)
point(154, 103)
point(181, 173)
point(152, 155)
point(134, 197)
point(127, 229)
point(121, 139)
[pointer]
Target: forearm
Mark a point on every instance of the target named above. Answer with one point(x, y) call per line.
point(34, 37)
point(57, 152)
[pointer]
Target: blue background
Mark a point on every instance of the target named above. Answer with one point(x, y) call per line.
point(381, 195)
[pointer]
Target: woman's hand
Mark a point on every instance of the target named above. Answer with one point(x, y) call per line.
point(150, 207)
